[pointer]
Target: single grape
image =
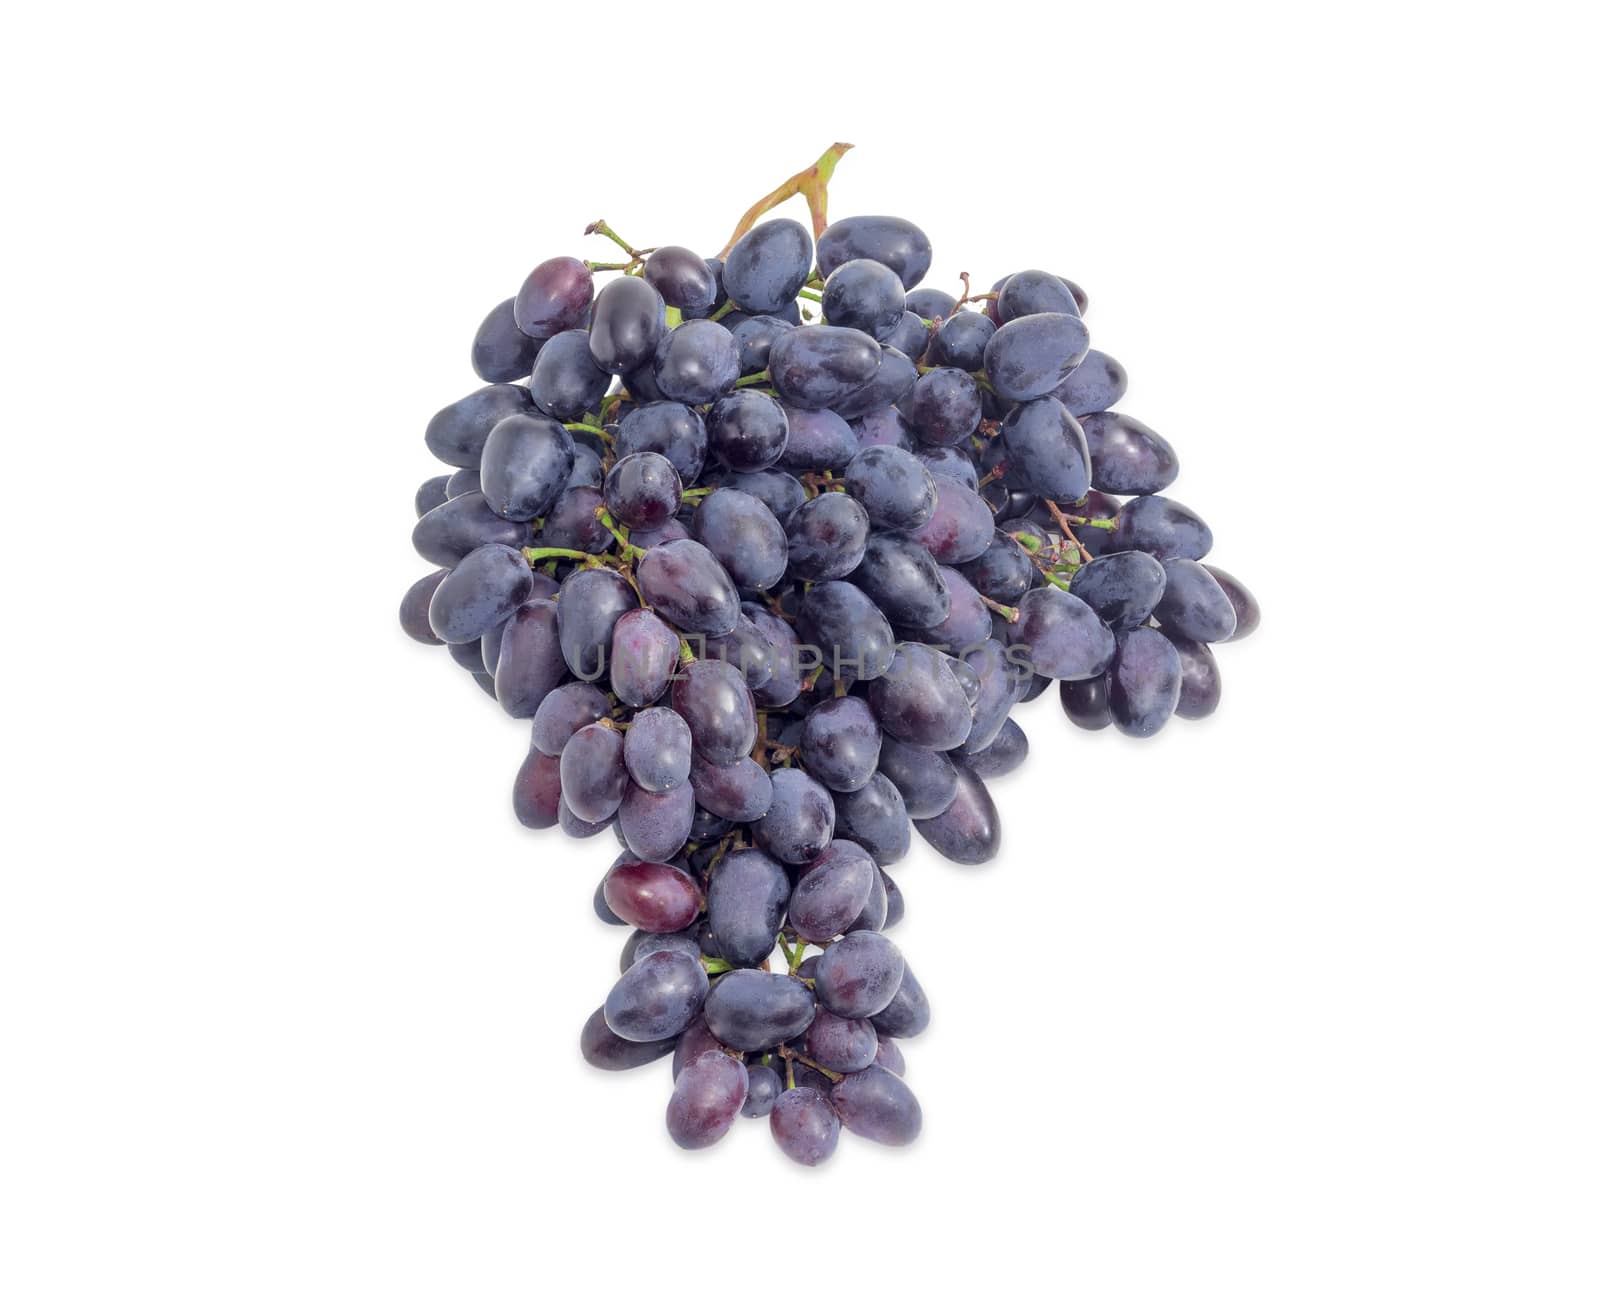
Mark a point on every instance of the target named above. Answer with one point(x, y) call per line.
point(431, 493)
point(644, 653)
point(850, 635)
point(897, 243)
point(782, 493)
point(1097, 384)
point(805, 1126)
point(817, 365)
point(601, 1047)
point(745, 905)
point(643, 491)
point(742, 534)
point(748, 650)
point(1005, 752)
point(1032, 356)
point(573, 522)
point(747, 431)
point(945, 406)
point(766, 1084)
point(656, 824)
point(656, 749)
point(696, 362)
point(961, 526)
point(919, 701)
point(896, 489)
point(817, 441)
point(1162, 527)
point(1046, 453)
point(536, 791)
point(930, 302)
point(1001, 682)
point(889, 1056)
point(1063, 637)
point(891, 384)
point(669, 428)
point(1128, 457)
point(1034, 292)
point(527, 461)
point(489, 584)
point(696, 1039)
point(1145, 682)
point(566, 383)
point(1201, 687)
point(1003, 572)
point(887, 427)
point(839, 741)
point(588, 607)
point(910, 336)
point(874, 816)
point(827, 537)
point(907, 584)
point(863, 294)
point(414, 608)
point(707, 1098)
point(593, 779)
point(456, 434)
point(767, 266)
point(749, 1009)
point(832, 891)
point(501, 351)
point(858, 975)
point(554, 297)
point(924, 777)
point(628, 320)
point(1087, 702)
point(740, 791)
point(968, 831)
point(1122, 587)
point(564, 712)
point(657, 997)
point(783, 686)
point(688, 587)
point(681, 277)
point(1246, 609)
point(755, 336)
point(842, 1044)
point(713, 698)
point(1194, 605)
point(647, 894)
point(464, 481)
point(876, 1104)
point(908, 1013)
point(960, 340)
point(799, 824)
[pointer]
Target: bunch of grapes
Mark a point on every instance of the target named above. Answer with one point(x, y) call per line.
point(767, 547)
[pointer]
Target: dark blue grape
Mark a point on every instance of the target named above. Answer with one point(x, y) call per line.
point(1004, 572)
point(1122, 587)
point(960, 340)
point(924, 777)
point(1087, 702)
point(745, 905)
point(489, 584)
point(576, 826)
point(1161, 527)
point(593, 777)
point(689, 587)
point(1046, 452)
point(885, 427)
point(874, 816)
point(465, 481)
point(782, 493)
point(817, 441)
point(832, 891)
point(897, 243)
point(945, 407)
point(890, 383)
point(527, 460)
point(755, 336)
point(431, 493)
point(851, 635)
point(919, 701)
point(601, 1047)
point(670, 428)
point(765, 1086)
point(968, 831)
point(530, 665)
point(740, 791)
point(681, 277)
point(908, 1013)
point(805, 1126)
point(1193, 605)
point(1034, 292)
point(566, 383)
point(657, 749)
point(961, 525)
point(890, 1059)
point(877, 1105)
point(930, 303)
point(1004, 753)
point(501, 351)
point(896, 489)
point(1032, 356)
point(1246, 610)
point(457, 433)
point(858, 975)
point(706, 1100)
point(644, 651)
point(564, 712)
point(643, 491)
point(554, 297)
point(629, 319)
point(865, 295)
point(784, 685)
point(1200, 689)
point(714, 699)
point(414, 608)
point(1097, 384)
point(910, 336)
point(818, 365)
point(588, 607)
point(1063, 637)
point(1000, 684)
point(536, 793)
point(799, 823)
point(904, 580)
point(1127, 456)
point(748, 431)
point(696, 362)
point(842, 1044)
point(749, 1009)
point(747, 649)
point(827, 537)
point(839, 742)
point(572, 523)
point(1144, 684)
point(695, 1040)
point(768, 266)
point(656, 824)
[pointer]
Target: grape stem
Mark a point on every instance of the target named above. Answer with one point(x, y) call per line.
point(715, 966)
point(760, 377)
point(536, 555)
point(808, 294)
point(603, 229)
point(1000, 608)
point(811, 183)
point(578, 427)
point(829, 1073)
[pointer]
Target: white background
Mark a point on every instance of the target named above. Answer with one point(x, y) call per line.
point(1292, 1010)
